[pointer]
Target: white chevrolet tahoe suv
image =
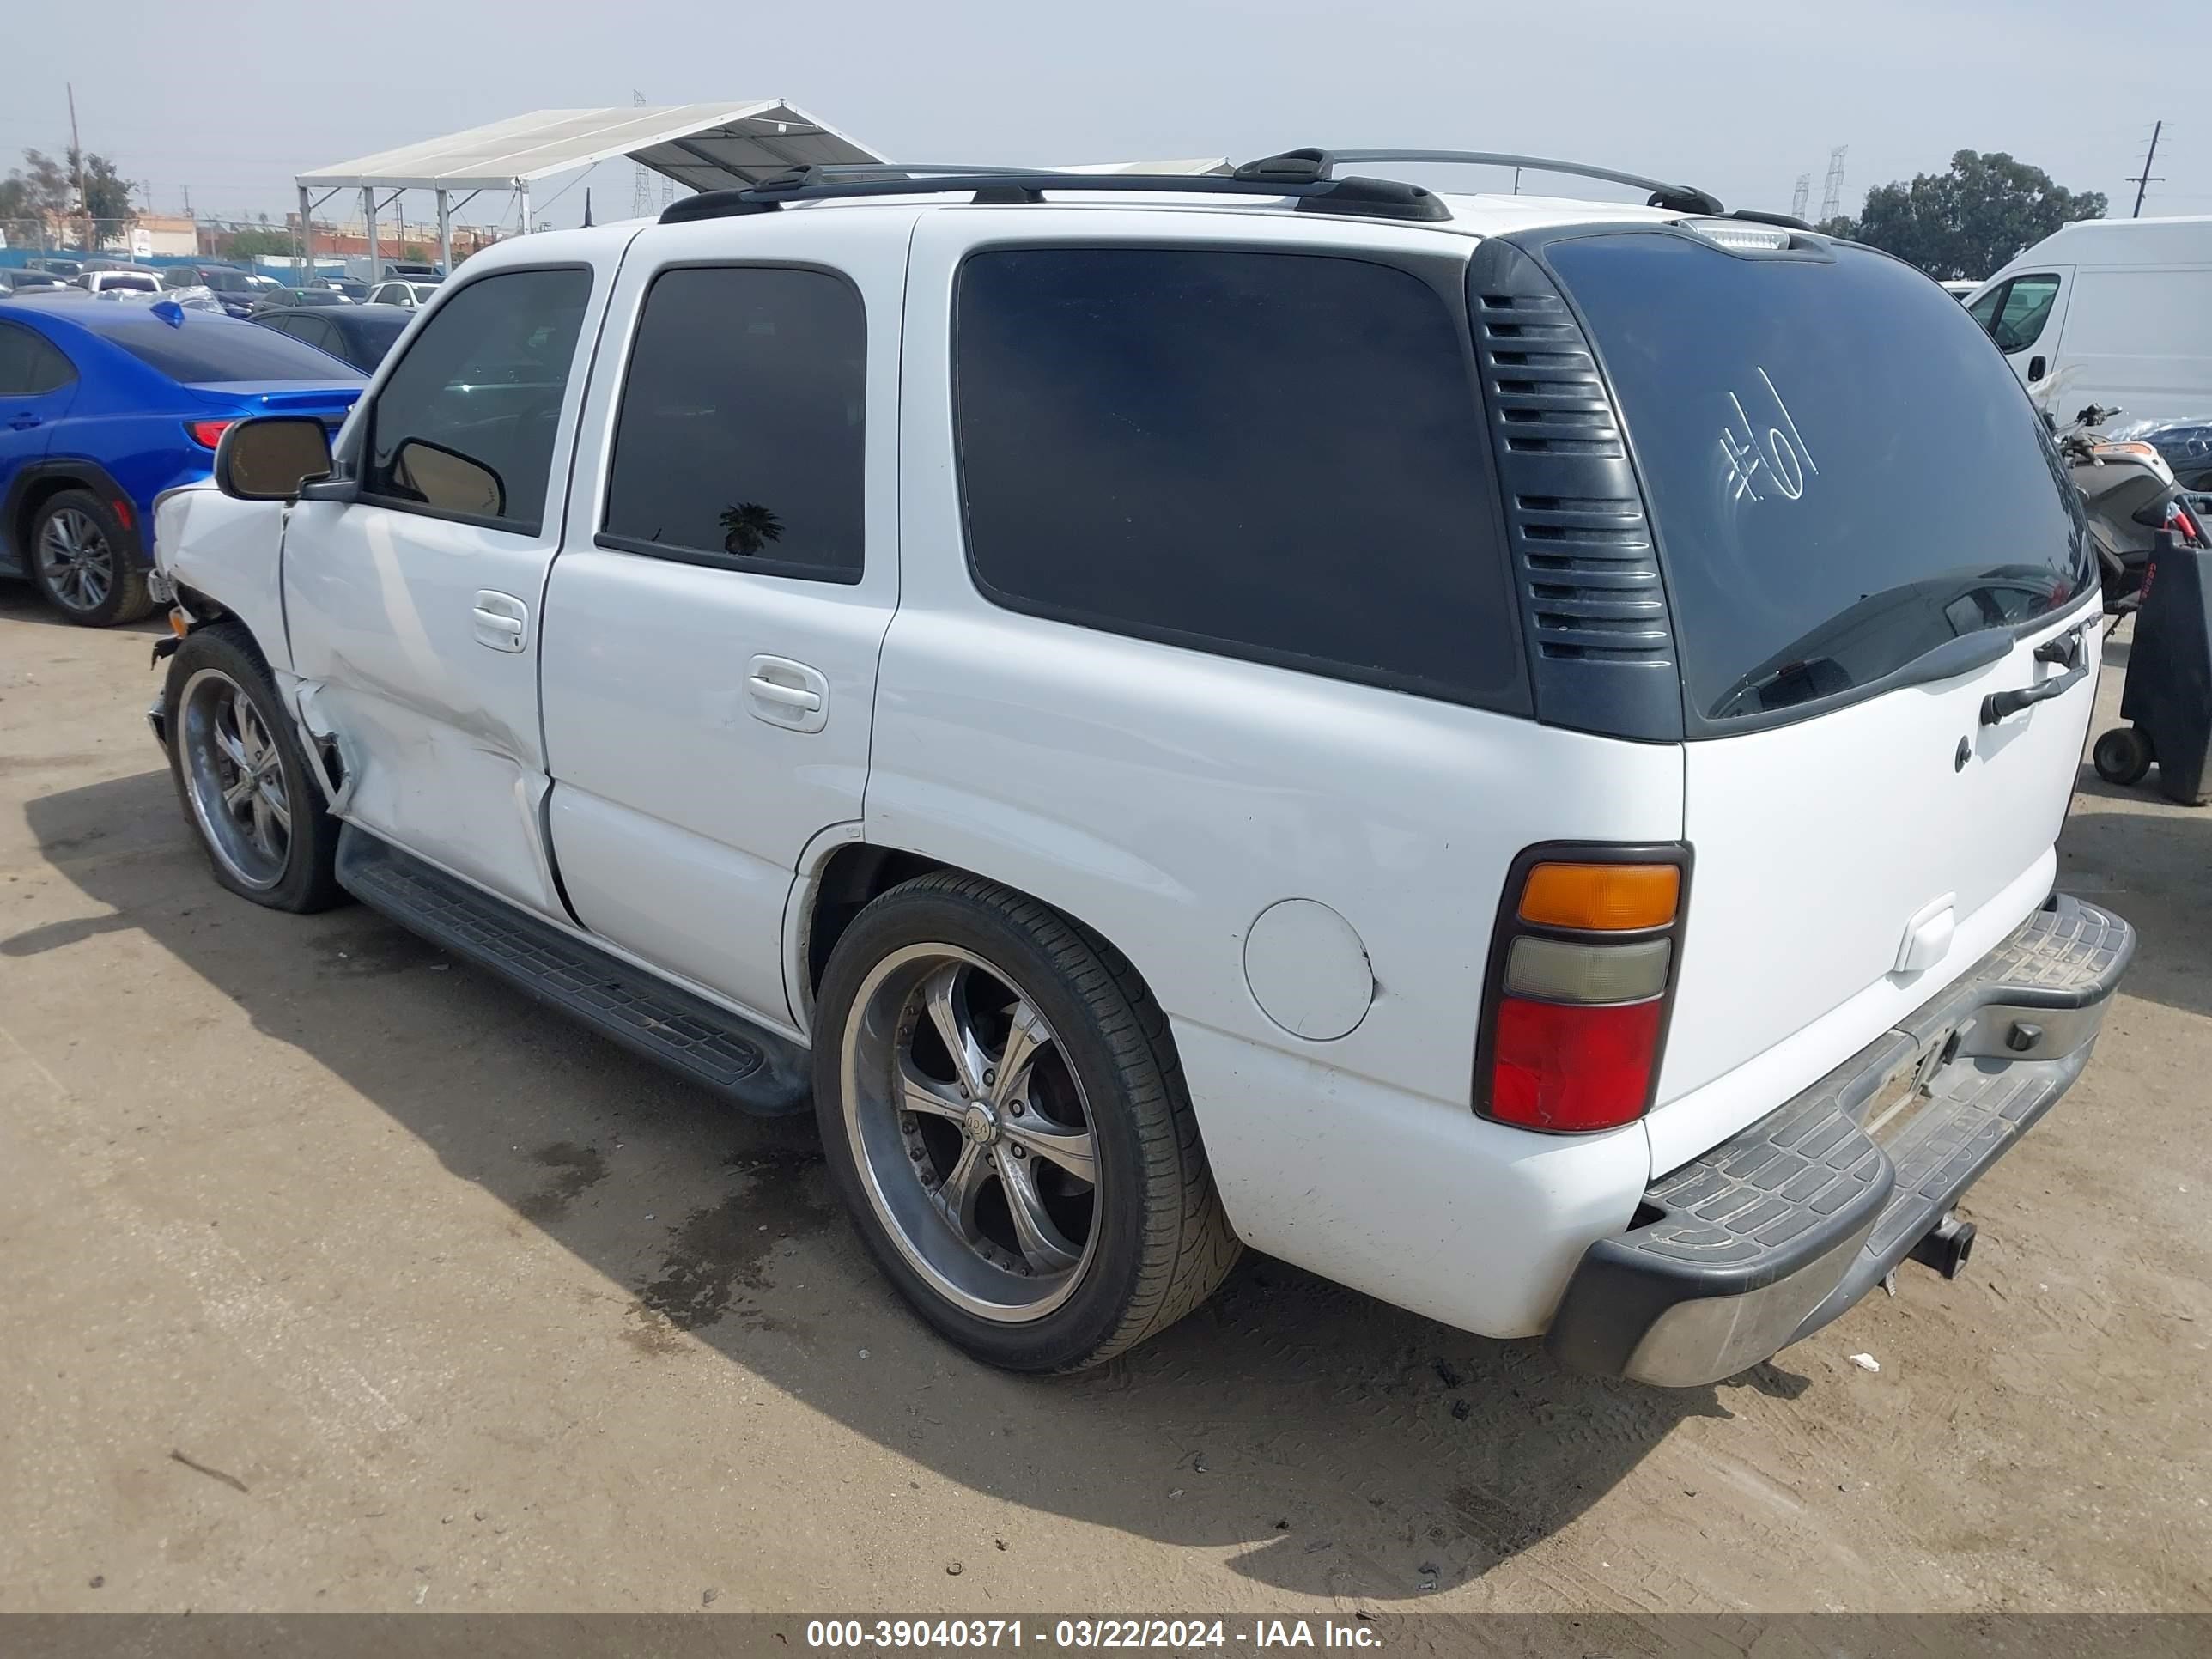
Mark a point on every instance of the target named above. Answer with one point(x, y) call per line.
point(1507, 752)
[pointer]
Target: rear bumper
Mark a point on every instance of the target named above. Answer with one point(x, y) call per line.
point(1771, 1235)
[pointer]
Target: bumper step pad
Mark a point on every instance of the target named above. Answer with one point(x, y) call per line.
point(1771, 1235)
point(755, 1069)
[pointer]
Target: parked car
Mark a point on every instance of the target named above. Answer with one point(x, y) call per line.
point(237, 289)
point(2112, 311)
point(411, 268)
point(104, 405)
point(273, 299)
point(64, 269)
point(1160, 764)
point(352, 287)
point(119, 281)
point(407, 294)
point(13, 281)
point(359, 335)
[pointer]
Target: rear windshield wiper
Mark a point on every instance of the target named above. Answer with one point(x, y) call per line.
point(1960, 656)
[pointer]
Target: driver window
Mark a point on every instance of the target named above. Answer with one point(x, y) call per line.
point(465, 427)
point(2026, 307)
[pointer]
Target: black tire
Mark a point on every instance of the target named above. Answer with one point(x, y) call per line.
point(210, 659)
point(2122, 756)
point(63, 519)
point(1159, 1240)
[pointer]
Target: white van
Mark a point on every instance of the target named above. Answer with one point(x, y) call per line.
point(2116, 311)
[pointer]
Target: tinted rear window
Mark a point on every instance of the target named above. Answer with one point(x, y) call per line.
point(1275, 456)
point(1843, 472)
point(204, 348)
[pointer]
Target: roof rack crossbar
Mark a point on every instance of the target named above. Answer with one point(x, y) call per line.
point(1319, 164)
point(1374, 198)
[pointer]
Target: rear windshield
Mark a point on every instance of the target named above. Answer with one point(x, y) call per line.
point(1843, 473)
point(205, 347)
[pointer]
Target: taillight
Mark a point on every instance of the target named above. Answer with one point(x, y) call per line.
point(207, 433)
point(1582, 975)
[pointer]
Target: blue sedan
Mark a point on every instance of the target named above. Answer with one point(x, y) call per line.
point(104, 404)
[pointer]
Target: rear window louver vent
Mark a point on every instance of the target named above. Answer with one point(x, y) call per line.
point(1600, 640)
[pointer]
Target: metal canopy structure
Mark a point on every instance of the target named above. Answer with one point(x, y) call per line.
point(701, 146)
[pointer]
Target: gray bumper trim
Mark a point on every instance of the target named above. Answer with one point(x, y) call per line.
point(1786, 1225)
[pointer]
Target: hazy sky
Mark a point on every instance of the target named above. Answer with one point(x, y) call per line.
point(231, 99)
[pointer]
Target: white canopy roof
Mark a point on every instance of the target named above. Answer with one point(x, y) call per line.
point(705, 146)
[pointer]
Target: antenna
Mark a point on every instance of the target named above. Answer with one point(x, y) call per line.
point(2144, 180)
point(1831, 192)
point(1797, 195)
point(641, 194)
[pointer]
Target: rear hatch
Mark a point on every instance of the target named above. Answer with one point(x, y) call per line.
point(1865, 532)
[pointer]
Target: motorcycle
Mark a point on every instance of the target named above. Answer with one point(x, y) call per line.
point(2128, 495)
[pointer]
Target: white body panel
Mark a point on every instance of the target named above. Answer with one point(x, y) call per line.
point(2132, 327)
point(692, 863)
point(232, 550)
point(1168, 797)
point(382, 603)
point(1818, 843)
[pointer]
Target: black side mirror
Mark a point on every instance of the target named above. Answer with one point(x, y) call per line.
point(268, 458)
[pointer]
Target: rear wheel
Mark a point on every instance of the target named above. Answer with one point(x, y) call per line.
point(243, 777)
point(2122, 756)
point(1005, 1119)
point(86, 564)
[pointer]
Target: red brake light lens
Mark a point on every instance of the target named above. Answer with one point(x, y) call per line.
point(1571, 1068)
point(207, 433)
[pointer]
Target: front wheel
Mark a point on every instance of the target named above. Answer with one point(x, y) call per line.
point(1006, 1119)
point(2122, 756)
point(243, 777)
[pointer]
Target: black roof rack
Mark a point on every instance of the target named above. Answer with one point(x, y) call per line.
point(1296, 165)
point(1385, 199)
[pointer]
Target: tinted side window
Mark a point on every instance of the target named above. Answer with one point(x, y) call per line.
point(1268, 455)
point(1985, 309)
point(739, 436)
point(30, 366)
point(465, 426)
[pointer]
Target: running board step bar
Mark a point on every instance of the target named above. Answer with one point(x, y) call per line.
point(754, 1069)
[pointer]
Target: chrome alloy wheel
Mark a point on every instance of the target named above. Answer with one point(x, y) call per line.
point(74, 560)
point(971, 1132)
point(235, 777)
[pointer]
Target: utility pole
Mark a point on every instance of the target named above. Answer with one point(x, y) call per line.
point(2144, 180)
point(77, 156)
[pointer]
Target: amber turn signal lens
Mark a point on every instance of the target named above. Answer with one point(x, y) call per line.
point(179, 624)
point(1603, 898)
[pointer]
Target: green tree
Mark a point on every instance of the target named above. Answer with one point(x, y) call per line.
point(107, 192)
point(252, 243)
point(1967, 221)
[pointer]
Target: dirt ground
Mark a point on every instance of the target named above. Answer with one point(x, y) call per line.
point(339, 1276)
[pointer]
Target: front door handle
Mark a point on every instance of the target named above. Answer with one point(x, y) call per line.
point(502, 622)
point(787, 694)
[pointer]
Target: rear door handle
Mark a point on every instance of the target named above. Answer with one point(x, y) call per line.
point(787, 694)
point(1999, 705)
point(502, 622)
point(25, 423)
